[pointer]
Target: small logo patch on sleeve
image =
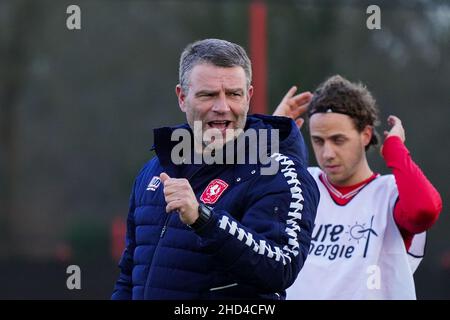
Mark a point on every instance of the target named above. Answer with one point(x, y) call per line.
point(213, 191)
point(154, 184)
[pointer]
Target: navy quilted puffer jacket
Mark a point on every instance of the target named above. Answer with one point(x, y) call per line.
point(253, 246)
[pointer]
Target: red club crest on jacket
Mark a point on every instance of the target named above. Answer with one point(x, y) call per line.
point(213, 191)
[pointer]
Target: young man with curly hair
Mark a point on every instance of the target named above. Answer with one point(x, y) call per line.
point(369, 232)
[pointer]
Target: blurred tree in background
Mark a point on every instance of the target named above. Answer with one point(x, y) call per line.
point(77, 110)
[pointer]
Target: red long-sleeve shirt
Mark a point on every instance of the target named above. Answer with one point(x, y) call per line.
point(419, 203)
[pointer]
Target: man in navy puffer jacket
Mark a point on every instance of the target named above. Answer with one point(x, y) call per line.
point(221, 229)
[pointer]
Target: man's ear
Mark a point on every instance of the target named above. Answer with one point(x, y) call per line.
point(250, 93)
point(181, 97)
point(366, 135)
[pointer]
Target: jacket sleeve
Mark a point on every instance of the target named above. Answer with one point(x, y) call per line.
point(123, 286)
point(269, 245)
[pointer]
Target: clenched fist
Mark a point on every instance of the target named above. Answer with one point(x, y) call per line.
point(180, 197)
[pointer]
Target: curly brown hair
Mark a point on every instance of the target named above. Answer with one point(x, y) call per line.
point(337, 94)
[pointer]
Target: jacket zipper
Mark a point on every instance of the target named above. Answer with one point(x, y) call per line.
point(163, 231)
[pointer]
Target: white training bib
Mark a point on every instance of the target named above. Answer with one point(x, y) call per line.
point(357, 251)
